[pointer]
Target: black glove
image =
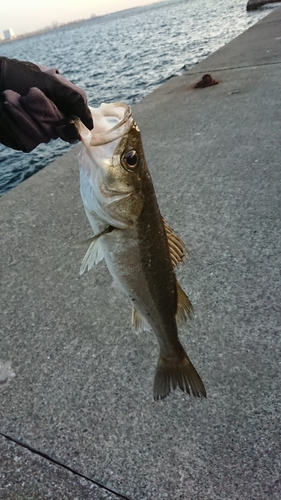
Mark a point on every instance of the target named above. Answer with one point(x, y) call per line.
point(37, 104)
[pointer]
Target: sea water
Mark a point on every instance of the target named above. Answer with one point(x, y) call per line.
point(123, 57)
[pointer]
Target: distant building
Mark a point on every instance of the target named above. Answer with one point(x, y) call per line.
point(9, 34)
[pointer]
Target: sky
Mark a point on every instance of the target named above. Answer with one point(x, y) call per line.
point(29, 15)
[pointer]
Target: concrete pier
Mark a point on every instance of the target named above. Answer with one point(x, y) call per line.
point(77, 416)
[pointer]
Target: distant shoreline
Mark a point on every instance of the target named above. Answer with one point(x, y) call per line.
point(48, 29)
point(58, 26)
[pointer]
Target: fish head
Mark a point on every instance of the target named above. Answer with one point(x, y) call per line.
point(110, 166)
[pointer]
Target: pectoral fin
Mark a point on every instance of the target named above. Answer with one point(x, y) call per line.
point(184, 306)
point(92, 257)
point(94, 253)
point(176, 246)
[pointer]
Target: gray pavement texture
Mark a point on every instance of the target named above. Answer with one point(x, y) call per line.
point(26, 475)
point(77, 382)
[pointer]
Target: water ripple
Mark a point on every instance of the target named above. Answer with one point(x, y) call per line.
point(124, 57)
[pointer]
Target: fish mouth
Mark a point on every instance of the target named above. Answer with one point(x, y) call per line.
point(115, 110)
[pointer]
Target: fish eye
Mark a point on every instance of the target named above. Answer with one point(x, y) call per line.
point(130, 160)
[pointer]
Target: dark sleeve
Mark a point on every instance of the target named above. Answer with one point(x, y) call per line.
point(27, 121)
point(6, 134)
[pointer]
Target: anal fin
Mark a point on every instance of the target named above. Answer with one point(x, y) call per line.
point(184, 306)
point(139, 323)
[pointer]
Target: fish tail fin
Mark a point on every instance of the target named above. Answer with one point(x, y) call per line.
point(171, 374)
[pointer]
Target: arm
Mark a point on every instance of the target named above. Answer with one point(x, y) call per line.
point(37, 104)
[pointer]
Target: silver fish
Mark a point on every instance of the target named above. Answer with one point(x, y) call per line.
point(140, 249)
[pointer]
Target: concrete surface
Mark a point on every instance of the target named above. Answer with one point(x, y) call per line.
point(26, 475)
point(82, 386)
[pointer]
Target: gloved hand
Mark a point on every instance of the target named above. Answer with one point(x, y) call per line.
point(37, 104)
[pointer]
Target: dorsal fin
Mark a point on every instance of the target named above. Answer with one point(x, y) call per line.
point(184, 306)
point(176, 246)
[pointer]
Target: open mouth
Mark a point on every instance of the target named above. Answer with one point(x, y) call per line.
point(119, 112)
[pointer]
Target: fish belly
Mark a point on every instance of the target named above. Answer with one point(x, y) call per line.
point(124, 261)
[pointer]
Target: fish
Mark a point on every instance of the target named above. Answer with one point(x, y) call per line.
point(139, 247)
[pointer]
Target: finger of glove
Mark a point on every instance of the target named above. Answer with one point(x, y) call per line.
point(67, 130)
point(56, 74)
point(12, 135)
point(42, 111)
point(71, 103)
point(17, 75)
point(86, 117)
point(8, 140)
point(18, 115)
